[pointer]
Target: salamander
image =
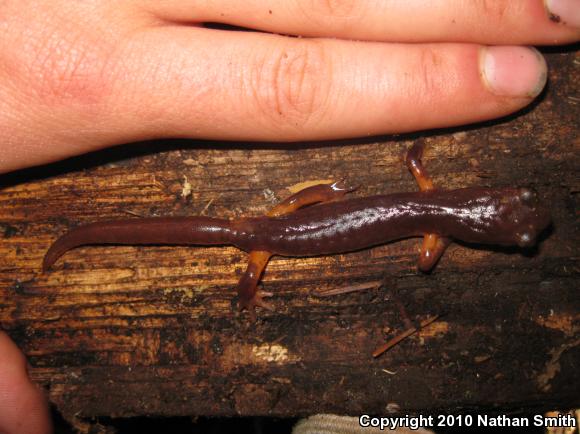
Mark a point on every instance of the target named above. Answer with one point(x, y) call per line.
point(319, 221)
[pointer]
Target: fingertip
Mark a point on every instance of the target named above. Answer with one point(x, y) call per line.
point(566, 12)
point(23, 405)
point(513, 71)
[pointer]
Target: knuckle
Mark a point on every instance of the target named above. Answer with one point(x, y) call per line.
point(59, 63)
point(288, 86)
point(62, 71)
point(325, 10)
point(333, 14)
point(492, 8)
point(427, 72)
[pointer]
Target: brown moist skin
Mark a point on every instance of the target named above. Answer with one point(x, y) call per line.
point(313, 222)
point(505, 217)
point(162, 230)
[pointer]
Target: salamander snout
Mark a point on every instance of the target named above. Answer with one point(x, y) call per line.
point(528, 216)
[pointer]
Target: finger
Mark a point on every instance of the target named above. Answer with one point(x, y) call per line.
point(23, 407)
point(271, 88)
point(178, 81)
point(529, 22)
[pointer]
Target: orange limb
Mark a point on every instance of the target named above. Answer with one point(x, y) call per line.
point(433, 245)
point(413, 160)
point(249, 294)
point(431, 251)
point(309, 196)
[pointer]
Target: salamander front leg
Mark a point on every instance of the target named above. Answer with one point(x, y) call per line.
point(249, 294)
point(415, 165)
point(431, 251)
point(433, 245)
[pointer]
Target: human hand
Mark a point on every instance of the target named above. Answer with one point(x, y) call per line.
point(23, 407)
point(79, 76)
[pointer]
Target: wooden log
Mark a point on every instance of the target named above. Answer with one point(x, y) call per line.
point(125, 331)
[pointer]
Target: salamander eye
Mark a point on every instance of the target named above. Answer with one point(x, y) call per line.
point(528, 196)
point(525, 239)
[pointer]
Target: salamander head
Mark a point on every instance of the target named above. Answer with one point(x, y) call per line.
point(503, 216)
point(522, 215)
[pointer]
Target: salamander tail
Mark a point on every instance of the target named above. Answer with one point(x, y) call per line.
point(159, 231)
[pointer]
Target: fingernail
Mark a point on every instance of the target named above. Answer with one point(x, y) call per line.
point(564, 11)
point(513, 71)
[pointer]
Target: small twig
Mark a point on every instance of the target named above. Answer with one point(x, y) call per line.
point(136, 214)
point(390, 344)
point(350, 288)
point(208, 204)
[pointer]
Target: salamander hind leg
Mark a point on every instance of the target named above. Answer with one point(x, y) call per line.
point(249, 294)
point(311, 195)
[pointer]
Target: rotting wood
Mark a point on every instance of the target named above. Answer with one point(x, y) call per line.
point(123, 331)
